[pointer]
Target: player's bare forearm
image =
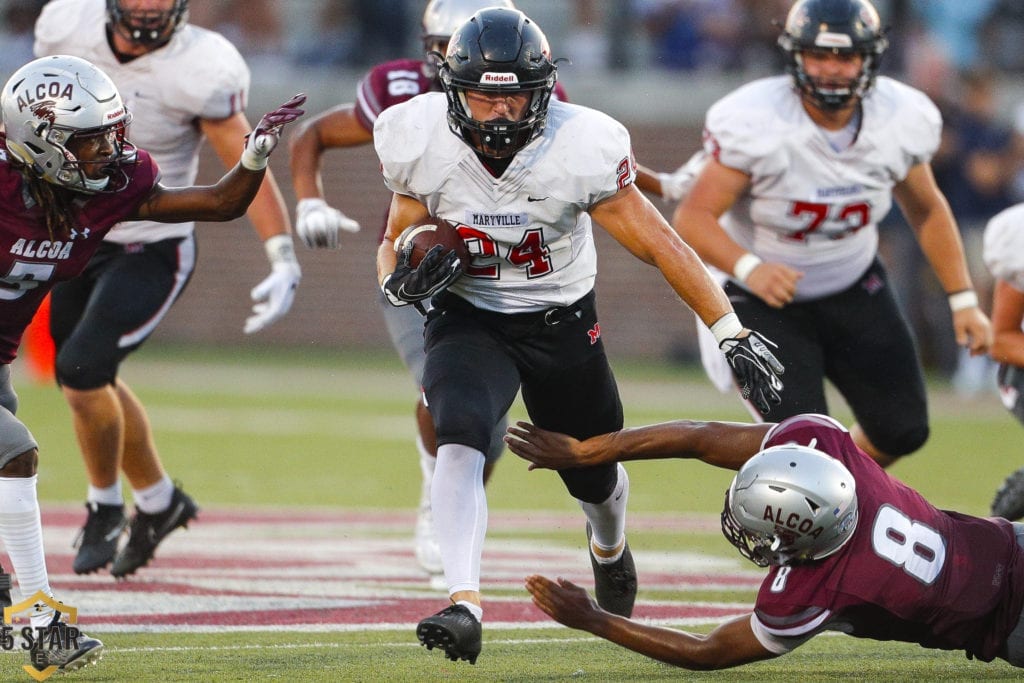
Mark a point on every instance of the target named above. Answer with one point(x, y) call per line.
point(337, 127)
point(928, 213)
point(731, 644)
point(723, 444)
point(267, 211)
point(226, 200)
point(648, 181)
point(637, 225)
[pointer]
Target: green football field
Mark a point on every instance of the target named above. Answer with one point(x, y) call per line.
point(267, 430)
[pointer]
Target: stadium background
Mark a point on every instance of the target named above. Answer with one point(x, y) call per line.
point(323, 47)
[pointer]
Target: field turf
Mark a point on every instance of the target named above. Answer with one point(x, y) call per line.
point(269, 430)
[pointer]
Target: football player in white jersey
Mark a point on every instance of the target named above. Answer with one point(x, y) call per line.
point(183, 84)
point(1004, 256)
point(522, 176)
point(318, 224)
point(797, 171)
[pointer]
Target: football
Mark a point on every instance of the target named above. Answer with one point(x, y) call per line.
point(426, 234)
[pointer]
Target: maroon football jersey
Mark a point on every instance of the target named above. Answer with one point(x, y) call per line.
point(911, 572)
point(389, 84)
point(32, 262)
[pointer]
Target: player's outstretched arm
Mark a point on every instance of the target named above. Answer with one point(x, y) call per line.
point(929, 215)
point(731, 644)
point(231, 195)
point(723, 444)
point(316, 222)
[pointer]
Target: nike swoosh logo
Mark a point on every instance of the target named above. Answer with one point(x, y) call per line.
point(115, 532)
point(535, 199)
point(169, 525)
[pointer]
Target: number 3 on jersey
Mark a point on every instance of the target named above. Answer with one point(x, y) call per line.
point(530, 253)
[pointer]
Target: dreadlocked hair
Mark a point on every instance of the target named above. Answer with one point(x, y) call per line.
point(56, 202)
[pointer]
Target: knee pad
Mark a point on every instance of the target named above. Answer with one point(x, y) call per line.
point(497, 446)
point(468, 426)
point(904, 443)
point(82, 371)
point(591, 484)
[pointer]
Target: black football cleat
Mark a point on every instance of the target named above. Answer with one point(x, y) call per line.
point(1009, 500)
point(64, 647)
point(614, 583)
point(5, 589)
point(148, 530)
point(97, 540)
point(455, 630)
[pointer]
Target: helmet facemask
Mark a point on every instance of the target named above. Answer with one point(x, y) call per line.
point(58, 104)
point(498, 51)
point(790, 504)
point(151, 28)
point(841, 27)
point(498, 138)
point(110, 172)
point(831, 97)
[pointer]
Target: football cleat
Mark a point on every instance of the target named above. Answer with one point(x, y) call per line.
point(1009, 500)
point(5, 589)
point(614, 582)
point(64, 647)
point(455, 630)
point(97, 540)
point(148, 530)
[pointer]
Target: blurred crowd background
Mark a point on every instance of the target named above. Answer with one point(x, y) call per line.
point(656, 65)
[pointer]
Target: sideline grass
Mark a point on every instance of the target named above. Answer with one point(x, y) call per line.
point(261, 428)
point(513, 656)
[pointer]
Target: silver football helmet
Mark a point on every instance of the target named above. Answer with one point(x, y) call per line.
point(790, 504)
point(53, 100)
point(441, 18)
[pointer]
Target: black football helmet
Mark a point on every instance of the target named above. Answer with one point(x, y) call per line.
point(842, 26)
point(498, 50)
point(147, 27)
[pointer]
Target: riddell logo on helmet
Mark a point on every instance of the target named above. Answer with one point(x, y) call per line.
point(833, 40)
point(496, 78)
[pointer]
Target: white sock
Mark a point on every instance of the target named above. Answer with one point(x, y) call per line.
point(107, 495)
point(21, 531)
point(155, 498)
point(608, 519)
point(459, 507)
point(476, 610)
point(427, 465)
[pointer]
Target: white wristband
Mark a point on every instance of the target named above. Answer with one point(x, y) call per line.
point(726, 327)
point(670, 190)
point(280, 249)
point(745, 266)
point(251, 161)
point(961, 300)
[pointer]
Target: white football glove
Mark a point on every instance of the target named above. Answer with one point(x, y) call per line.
point(275, 294)
point(317, 223)
point(267, 133)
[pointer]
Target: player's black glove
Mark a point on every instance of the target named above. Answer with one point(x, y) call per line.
point(407, 285)
point(756, 369)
